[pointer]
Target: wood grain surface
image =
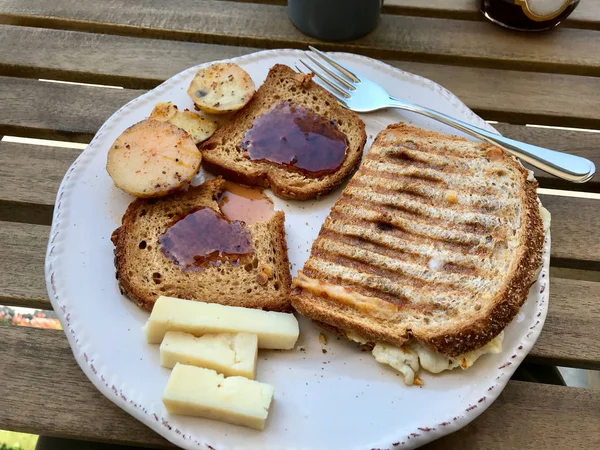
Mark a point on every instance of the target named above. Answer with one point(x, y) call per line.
point(22, 265)
point(57, 111)
point(569, 330)
point(569, 338)
point(44, 391)
point(510, 96)
point(566, 50)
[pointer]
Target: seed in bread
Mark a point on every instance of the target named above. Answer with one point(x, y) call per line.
point(286, 92)
point(152, 158)
point(147, 267)
point(221, 88)
point(199, 128)
point(397, 262)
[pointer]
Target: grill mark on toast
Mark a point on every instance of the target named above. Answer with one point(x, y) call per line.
point(398, 232)
point(447, 150)
point(427, 212)
point(329, 251)
point(395, 247)
point(406, 158)
point(412, 270)
point(469, 201)
point(458, 182)
point(354, 286)
point(373, 285)
point(349, 211)
point(423, 180)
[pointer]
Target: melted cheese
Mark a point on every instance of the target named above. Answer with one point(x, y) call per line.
point(373, 306)
point(409, 358)
point(403, 359)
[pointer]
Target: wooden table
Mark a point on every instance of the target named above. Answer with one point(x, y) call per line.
point(516, 79)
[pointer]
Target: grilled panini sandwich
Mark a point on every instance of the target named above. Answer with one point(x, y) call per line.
point(431, 248)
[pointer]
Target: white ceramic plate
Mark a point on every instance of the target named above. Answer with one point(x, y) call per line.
point(341, 399)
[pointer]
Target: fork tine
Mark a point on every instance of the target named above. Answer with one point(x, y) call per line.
point(339, 90)
point(336, 64)
point(331, 73)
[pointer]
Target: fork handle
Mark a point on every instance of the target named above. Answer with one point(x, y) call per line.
point(568, 167)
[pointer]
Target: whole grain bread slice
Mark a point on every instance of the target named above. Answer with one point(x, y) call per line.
point(223, 154)
point(435, 239)
point(262, 280)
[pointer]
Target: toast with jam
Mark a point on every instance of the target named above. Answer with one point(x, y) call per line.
point(189, 245)
point(292, 137)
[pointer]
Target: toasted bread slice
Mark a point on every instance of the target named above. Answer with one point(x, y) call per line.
point(223, 153)
point(435, 239)
point(258, 279)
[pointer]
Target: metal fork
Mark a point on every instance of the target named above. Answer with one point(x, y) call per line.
point(360, 94)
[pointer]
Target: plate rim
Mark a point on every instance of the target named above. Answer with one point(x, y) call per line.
point(419, 436)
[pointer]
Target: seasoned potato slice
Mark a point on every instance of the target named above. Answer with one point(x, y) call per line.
point(152, 158)
point(221, 88)
point(199, 128)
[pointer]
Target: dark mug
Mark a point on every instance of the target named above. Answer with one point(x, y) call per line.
point(335, 20)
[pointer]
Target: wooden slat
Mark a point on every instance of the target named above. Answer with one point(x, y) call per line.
point(570, 329)
point(30, 177)
point(576, 142)
point(22, 265)
point(57, 111)
point(587, 15)
point(575, 225)
point(510, 96)
point(43, 391)
point(569, 338)
point(517, 97)
point(116, 60)
point(565, 50)
point(526, 415)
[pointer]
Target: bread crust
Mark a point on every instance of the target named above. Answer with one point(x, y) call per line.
point(128, 273)
point(471, 334)
point(283, 182)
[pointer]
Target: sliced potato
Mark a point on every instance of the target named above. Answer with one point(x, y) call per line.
point(221, 88)
point(199, 128)
point(152, 158)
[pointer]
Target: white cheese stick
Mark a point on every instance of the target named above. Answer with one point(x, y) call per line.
point(194, 391)
point(229, 354)
point(275, 330)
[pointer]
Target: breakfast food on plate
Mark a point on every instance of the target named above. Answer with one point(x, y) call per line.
point(275, 330)
point(221, 88)
point(227, 353)
point(199, 392)
point(428, 254)
point(152, 158)
point(199, 128)
point(186, 246)
point(293, 137)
